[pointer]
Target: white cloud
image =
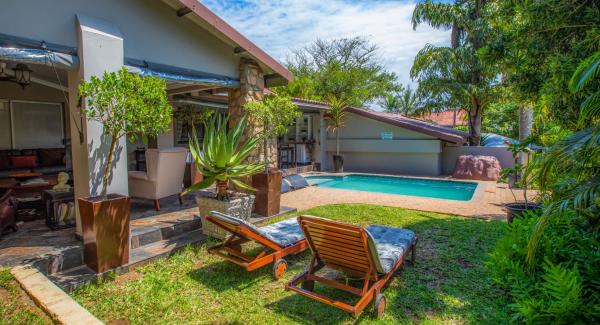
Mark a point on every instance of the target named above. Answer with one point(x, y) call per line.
point(278, 26)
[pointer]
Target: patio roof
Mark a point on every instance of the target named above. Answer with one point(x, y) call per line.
point(440, 132)
point(276, 73)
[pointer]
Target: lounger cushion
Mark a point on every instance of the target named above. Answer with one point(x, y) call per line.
point(389, 244)
point(297, 181)
point(284, 233)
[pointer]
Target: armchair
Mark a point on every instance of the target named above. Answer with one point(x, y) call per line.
point(163, 177)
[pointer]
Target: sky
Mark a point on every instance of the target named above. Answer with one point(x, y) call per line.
point(279, 26)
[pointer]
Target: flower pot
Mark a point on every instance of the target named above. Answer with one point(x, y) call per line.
point(338, 163)
point(239, 205)
point(268, 194)
point(105, 227)
point(517, 208)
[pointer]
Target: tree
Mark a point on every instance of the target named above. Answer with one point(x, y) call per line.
point(455, 76)
point(346, 68)
point(336, 118)
point(391, 103)
point(409, 103)
point(274, 114)
point(127, 105)
point(538, 45)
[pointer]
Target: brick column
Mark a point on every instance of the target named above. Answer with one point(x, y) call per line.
point(252, 85)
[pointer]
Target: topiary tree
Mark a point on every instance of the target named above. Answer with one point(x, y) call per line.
point(127, 105)
point(274, 114)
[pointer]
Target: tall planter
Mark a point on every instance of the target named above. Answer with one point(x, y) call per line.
point(105, 226)
point(268, 194)
point(239, 205)
point(338, 163)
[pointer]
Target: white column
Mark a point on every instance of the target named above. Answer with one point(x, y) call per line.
point(100, 50)
point(323, 142)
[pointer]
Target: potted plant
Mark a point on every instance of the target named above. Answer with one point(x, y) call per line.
point(518, 177)
point(223, 161)
point(336, 118)
point(273, 115)
point(126, 105)
point(193, 116)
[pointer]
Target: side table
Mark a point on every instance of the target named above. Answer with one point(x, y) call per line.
point(60, 209)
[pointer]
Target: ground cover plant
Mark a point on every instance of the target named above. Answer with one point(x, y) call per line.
point(449, 282)
point(16, 307)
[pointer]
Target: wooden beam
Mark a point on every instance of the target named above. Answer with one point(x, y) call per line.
point(183, 11)
point(188, 89)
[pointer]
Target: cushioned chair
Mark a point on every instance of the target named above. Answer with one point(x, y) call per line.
point(8, 211)
point(163, 176)
point(372, 254)
point(278, 240)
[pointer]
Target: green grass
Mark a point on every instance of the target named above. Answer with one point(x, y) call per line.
point(448, 284)
point(15, 306)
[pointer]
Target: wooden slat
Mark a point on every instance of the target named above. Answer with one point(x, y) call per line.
point(340, 261)
point(344, 255)
point(332, 233)
point(336, 241)
point(346, 249)
point(328, 228)
point(334, 284)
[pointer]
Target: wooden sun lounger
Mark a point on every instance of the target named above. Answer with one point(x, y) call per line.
point(274, 249)
point(352, 250)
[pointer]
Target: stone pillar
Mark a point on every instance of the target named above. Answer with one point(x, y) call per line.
point(100, 49)
point(252, 85)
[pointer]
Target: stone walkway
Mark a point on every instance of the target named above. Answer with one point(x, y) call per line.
point(486, 202)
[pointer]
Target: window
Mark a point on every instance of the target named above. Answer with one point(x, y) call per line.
point(35, 125)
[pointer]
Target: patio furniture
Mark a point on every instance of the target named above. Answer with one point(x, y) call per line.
point(372, 254)
point(279, 240)
point(8, 211)
point(163, 176)
point(60, 209)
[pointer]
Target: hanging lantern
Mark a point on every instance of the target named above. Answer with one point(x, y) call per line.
point(22, 75)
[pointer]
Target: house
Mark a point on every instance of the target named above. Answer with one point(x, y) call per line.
point(50, 47)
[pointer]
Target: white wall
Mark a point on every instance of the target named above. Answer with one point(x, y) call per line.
point(450, 153)
point(408, 152)
point(151, 30)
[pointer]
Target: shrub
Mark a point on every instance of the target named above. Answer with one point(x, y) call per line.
point(563, 287)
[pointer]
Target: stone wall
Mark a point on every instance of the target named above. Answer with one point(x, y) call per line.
point(252, 85)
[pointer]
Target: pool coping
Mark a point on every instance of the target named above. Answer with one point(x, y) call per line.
point(478, 193)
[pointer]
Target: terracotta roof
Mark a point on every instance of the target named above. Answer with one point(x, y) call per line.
point(446, 118)
point(440, 132)
point(230, 33)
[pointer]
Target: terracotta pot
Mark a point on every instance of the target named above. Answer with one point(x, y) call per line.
point(338, 163)
point(268, 194)
point(105, 226)
point(516, 209)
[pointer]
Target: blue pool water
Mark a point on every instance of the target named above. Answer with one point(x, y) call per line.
point(450, 190)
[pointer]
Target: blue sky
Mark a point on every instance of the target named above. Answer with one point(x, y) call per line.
point(280, 25)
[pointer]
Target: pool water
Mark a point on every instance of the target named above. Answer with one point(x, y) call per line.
point(440, 189)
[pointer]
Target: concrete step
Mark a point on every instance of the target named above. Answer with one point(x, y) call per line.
point(77, 277)
point(150, 230)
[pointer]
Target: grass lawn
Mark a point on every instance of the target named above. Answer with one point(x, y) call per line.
point(448, 284)
point(15, 306)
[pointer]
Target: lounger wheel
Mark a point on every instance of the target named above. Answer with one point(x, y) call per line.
point(279, 268)
point(308, 285)
point(379, 305)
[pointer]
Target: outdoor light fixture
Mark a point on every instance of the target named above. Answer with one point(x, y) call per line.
point(21, 74)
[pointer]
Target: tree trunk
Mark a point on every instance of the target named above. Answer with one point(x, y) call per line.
point(475, 117)
point(108, 168)
point(266, 155)
point(525, 124)
point(337, 142)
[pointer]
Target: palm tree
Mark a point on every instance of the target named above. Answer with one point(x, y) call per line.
point(391, 103)
point(408, 102)
point(455, 76)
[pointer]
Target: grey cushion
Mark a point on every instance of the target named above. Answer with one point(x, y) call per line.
point(284, 233)
point(389, 244)
point(297, 181)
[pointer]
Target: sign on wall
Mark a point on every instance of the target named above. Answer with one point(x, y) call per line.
point(387, 135)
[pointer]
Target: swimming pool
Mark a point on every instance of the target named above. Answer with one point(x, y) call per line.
point(440, 189)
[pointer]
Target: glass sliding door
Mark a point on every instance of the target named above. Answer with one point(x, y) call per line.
point(36, 125)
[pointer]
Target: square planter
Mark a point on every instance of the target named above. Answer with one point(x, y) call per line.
point(268, 194)
point(240, 206)
point(105, 227)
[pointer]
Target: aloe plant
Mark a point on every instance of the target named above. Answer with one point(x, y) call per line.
point(223, 158)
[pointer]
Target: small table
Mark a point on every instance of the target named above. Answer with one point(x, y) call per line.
point(30, 195)
point(60, 209)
